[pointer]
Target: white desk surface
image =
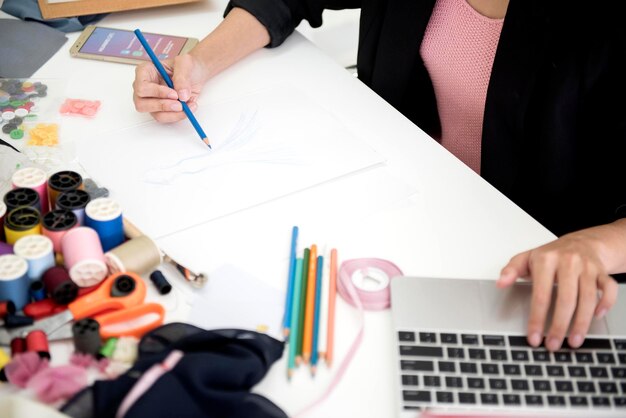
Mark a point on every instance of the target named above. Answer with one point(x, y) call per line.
point(423, 209)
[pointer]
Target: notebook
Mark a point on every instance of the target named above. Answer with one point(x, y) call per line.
point(461, 345)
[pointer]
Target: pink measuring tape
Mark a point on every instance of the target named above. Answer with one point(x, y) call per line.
point(364, 284)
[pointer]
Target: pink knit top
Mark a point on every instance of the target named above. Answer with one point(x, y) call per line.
point(458, 50)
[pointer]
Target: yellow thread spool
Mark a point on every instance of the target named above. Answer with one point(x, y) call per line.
point(20, 222)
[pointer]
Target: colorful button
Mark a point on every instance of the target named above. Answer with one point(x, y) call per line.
point(8, 115)
point(17, 134)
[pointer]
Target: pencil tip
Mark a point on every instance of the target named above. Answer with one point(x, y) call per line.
point(206, 141)
point(313, 371)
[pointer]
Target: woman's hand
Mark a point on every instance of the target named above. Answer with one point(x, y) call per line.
point(579, 262)
point(151, 94)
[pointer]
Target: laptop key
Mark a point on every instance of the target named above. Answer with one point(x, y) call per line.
point(406, 336)
point(541, 355)
point(432, 381)
point(498, 355)
point(477, 353)
point(519, 384)
point(563, 386)
point(594, 344)
point(518, 341)
point(416, 395)
point(447, 338)
point(497, 384)
point(618, 372)
point(519, 355)
point(577, 371)
point(600, 401)
point(607, 387)
point(555, 371)
point(469, 368)
point(585, 386)
point(489, 399)
point(623, 386)
point(622, 358)
point(619, 401)
point(490, 368)
point(542, 385)
point(469, 339)
point(420, 351)
point(445, 397)
point(534, 400)
point(454, 382)
point(605, 358)
point(475, 383)
point(447, 367)
point(620, 344)
point(556, 400)
point(467, 398)
point(417, 365)
point(598, 371)
point(511, 399)
point(428, 337)
point(493, 340)
point(409, 380)
point(512, 369)
point(533, 370)
point(563, 357)
point(582, 357)
point(456, 352)
point(578, 401)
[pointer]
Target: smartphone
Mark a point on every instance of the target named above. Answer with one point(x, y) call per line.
point(120, 45)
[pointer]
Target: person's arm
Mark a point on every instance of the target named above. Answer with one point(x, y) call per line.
point(238, 35)
point(580, 262)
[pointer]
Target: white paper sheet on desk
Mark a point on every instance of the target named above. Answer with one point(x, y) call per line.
point(233, 298)
point(265, 145)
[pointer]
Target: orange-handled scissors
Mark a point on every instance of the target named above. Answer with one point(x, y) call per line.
point(119, 291)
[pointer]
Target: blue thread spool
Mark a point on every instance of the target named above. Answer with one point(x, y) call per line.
point(37, 290)
point(104, 215)
point(76, 201)
point(14, 281)
point(38, 252)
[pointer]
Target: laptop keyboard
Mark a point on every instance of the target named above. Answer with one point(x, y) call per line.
point(446, 369)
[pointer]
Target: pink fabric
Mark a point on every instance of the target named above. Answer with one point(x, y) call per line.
point(23, 367)
point(58, 383)
point(458, 50)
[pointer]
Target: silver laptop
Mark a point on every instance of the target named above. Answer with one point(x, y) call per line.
point(461, 345)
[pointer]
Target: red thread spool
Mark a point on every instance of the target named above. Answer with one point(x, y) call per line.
point(6, 307)
point(59, 285)
point(37, 341)
point(18, 345)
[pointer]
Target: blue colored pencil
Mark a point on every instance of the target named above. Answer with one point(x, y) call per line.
point(295, 330)
point(169, 83)
point(316, 315)
point(290, 280)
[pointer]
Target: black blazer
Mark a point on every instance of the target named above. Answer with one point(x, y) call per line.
point(554, 131)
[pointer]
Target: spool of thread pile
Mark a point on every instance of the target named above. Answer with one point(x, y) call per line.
point(104, 215)
point(33, 178)
point(14, 281)
point(21, 222)
point(22, 196)
point(63, 181)
point(83, 256)
point(76, 201)
point(59, 285)
point(38, 253)
point(139, 255)
point(55, 224)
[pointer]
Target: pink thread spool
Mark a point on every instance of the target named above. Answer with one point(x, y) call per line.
point(83, 256)
point(55, 225)
point(33, 178)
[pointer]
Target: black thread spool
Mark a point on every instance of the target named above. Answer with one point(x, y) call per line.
point(87, 336)
point(56, 223)
point(161, 283)
point(74, 200)
point(63, 181)
point(22, 196)
point(123, 285)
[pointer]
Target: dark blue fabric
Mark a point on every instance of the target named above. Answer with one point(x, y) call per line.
point(212, 380)
point(29, 10)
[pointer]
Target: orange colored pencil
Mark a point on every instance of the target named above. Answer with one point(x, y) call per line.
point(332, 296)
point(307, 335)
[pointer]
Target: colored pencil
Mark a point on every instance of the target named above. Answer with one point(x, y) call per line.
point(332, 297)
point(169, 83)
point(310, 306)
point(294, 332)
point(316, 314)
point(323, 331)
point(305, 277)
point(290, 279)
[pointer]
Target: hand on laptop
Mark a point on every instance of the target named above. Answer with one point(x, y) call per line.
point(580, 263)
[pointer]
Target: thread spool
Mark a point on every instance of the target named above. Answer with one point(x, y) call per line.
point(108, 348)
point(63, 181)
point(86, 334)
point(59, 285)
point(74, 200)
point(5, 248)
point(3, 212)
point(37, 341)
point(161, 283)
point(21, 222)
point(22, 196)
point(33, 178)
point(104, 215)
point(16, 321)
point(367, 279)
point(7, 307)
point(139, 255)
point(83, 256)
point(14, 280)
point(38, 253)
point(55, 224)
point(18, 345)
point(37, 290)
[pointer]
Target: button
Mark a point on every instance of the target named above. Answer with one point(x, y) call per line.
point(17, 134)
point(8, 115)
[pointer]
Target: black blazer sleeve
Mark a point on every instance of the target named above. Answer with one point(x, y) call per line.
point(281, 17)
